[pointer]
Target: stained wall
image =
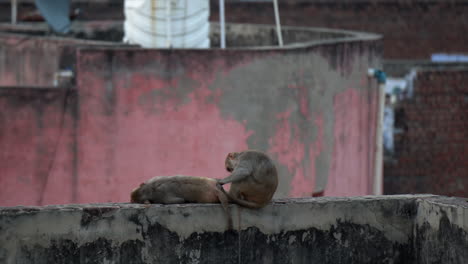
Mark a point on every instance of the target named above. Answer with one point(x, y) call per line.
point(140, 113)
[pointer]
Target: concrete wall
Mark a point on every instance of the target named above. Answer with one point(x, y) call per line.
point(38, 145)
point(29, 57)
point(432, 152)
point(391, 229)
point(441, 231)
point(26, 60)
point(141, 113)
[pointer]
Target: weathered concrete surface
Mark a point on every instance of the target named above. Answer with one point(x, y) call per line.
point(370, 229)
point(38, 145)
point(157, 107)
point(441, 230)
point(30, 55)
point(140, 113)
point(27, 60)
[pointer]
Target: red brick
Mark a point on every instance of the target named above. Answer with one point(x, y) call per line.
point(432, 155)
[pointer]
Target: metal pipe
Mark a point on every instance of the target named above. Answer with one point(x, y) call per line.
point(378, 172)
point(278, 23)
point(168, 24)
point(222, 24)
point(378, 180)
point(14, 11)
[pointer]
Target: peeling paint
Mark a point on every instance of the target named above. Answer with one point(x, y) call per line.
point(142, 113)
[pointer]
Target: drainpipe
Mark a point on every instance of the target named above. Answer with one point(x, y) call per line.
point(381, 78)
point(168, 24)
point(222, 24)
point(14, 11)
point(278, 23)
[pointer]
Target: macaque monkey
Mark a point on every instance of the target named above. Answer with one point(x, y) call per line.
point(181, 189)
point(253, 178)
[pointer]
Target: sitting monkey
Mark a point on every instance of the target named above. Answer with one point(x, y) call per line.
point(181, 189)
point(254, 178)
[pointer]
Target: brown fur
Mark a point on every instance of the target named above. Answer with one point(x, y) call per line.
point(254, 178)
point(180, 189)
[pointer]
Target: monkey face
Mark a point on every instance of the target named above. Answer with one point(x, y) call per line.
point(140, 196)
point(134, 196)
point(231, 161)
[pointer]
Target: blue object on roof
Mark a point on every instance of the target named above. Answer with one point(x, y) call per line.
point(56, 13)
point(380, 76)
point(441, 57)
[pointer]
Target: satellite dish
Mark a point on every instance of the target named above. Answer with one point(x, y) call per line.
point(56, 14)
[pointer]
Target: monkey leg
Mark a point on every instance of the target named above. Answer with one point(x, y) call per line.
point(225, 204)
point(238, 174)
point(248, 204)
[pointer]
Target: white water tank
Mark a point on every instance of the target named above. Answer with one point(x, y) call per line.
point(167, 23)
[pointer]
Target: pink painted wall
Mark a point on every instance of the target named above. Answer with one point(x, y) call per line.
point(139, 113)
point(37, 139)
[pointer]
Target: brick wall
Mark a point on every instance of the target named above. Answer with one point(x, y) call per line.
point(412, 29)
point(432, 153)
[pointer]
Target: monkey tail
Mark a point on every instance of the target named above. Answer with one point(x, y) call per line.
point(248, 204)
point(224, 200)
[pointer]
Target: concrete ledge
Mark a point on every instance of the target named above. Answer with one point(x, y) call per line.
point(238, 35)
point(371, 229)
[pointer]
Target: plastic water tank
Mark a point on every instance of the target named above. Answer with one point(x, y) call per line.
point(167, 23)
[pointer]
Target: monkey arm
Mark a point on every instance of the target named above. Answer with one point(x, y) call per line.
point(239, 173)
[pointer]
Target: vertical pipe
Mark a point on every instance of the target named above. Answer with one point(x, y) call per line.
point(381, 78)
point(14, 11)
point(153, 24)
point(278, 23)
point(378, 179)
point(168, 24)
point(222, 24)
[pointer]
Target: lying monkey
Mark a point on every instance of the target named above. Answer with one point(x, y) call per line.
point(254, 178)
point(181, 189)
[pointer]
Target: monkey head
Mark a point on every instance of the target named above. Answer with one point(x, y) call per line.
point(138, 195)
point(232, 161)
point(135, 195)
